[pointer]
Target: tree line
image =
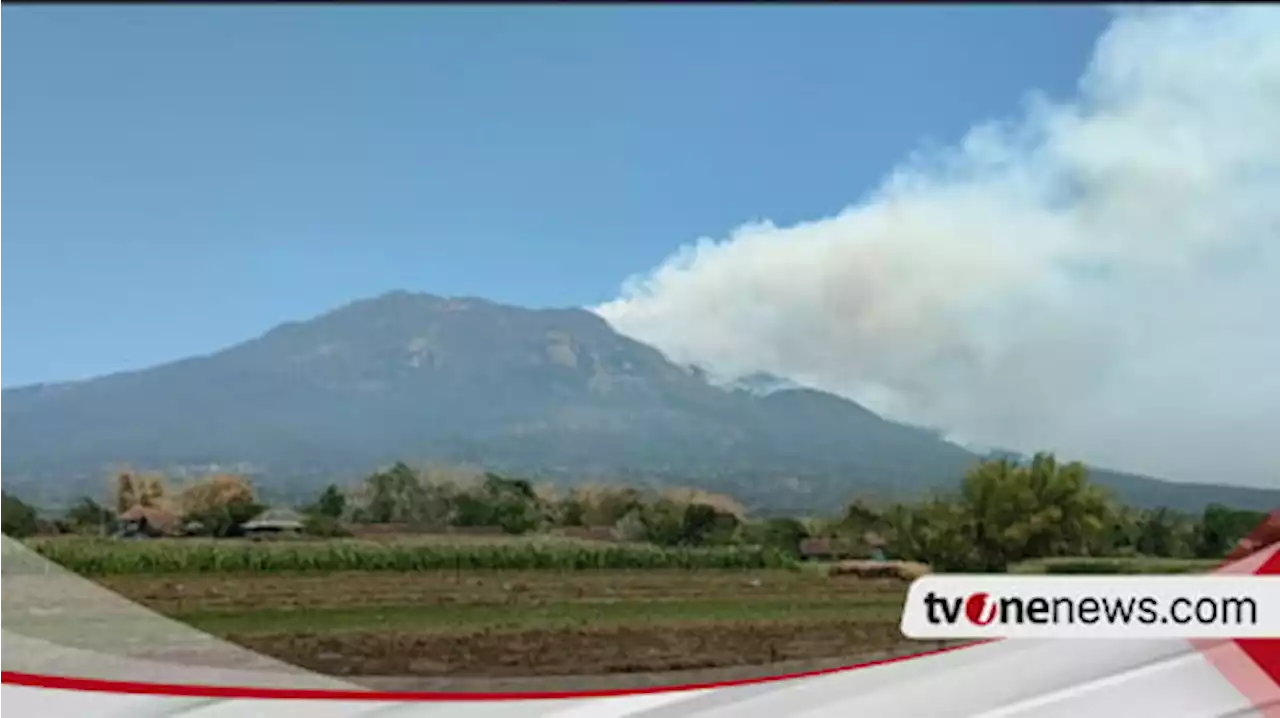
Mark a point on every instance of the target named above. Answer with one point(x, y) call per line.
point(1003, 512)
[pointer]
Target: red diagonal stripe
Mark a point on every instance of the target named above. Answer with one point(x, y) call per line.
point(1266, 651)
point(1255, 669)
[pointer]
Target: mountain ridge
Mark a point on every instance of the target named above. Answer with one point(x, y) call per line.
point(550, 392)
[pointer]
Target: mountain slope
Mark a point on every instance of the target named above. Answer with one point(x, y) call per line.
point(550, 392)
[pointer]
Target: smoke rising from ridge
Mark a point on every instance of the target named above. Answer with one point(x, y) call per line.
point(1099, 277)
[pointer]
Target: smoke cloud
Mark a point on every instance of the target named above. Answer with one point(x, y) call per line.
point(1099, 277)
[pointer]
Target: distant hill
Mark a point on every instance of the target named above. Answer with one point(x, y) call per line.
point(550, 392)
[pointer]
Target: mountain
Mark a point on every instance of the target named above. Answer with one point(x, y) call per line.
point(545, 392)
point(762, 383)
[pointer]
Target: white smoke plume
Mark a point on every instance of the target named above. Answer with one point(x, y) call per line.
point(1099, 277)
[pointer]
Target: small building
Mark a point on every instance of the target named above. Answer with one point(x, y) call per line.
point(274, 522)
point(827, 549)
point(876, 546)
point(871, 546)
point(148, 522)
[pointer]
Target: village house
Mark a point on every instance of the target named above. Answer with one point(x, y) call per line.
point(273, 522)
point(148, 522)
point(871, 545)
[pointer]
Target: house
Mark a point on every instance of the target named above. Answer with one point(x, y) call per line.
point(876, 546)
point(148, 522)
point(828, 549)
point(274, 522)
point(871, 546)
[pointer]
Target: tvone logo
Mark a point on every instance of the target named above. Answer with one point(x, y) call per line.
point(980, 609)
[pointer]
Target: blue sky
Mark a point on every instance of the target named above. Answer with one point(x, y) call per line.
point(184, 178)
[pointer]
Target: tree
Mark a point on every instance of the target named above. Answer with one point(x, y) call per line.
point(19, 519)
point(860, 516)
point(471, 509)
point(663, 521)
point(331, 504)
point(1164, 533)
point(513, 504)
point(1221, 528)
point(139, 490)
point(606, 506)
point(387, 491)
point(517, 514)
point(212, 492)
point(89, 515)
point(399, 495)
point(938, 531)
point(220, 504)
point(571, 511)
point(1123, 531)
point(1039, 510)
point(1005, 512)
point(226, 520)
point(323, 526)
point(703, 524)
point(509, 504)
point(521, 488)
point(784, 534)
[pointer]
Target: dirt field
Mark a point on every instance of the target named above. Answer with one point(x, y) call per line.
point(586, 650)
point(275, 591)
point(499, 624)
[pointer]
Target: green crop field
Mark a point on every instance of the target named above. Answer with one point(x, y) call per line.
point(107, 557)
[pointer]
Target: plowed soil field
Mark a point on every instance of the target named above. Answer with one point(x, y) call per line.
point(514, 625)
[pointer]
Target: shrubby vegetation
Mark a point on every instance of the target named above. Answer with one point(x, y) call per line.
point(1002, 513)
point(1005, 513)
point(19, 519)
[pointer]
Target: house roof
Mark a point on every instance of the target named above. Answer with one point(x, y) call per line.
point(825, 546)
point(828, 546)
point(156, 518)
point(275, 519)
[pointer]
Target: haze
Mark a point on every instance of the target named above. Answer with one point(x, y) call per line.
point(1099, 277)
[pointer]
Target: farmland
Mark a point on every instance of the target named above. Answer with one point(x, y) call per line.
point(92, 557)
point(432, 609)
point(519, 623)
point(495, 617)
point(517, 613)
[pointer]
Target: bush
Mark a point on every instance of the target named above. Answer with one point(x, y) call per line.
point(324, 527)
point(19, 519)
